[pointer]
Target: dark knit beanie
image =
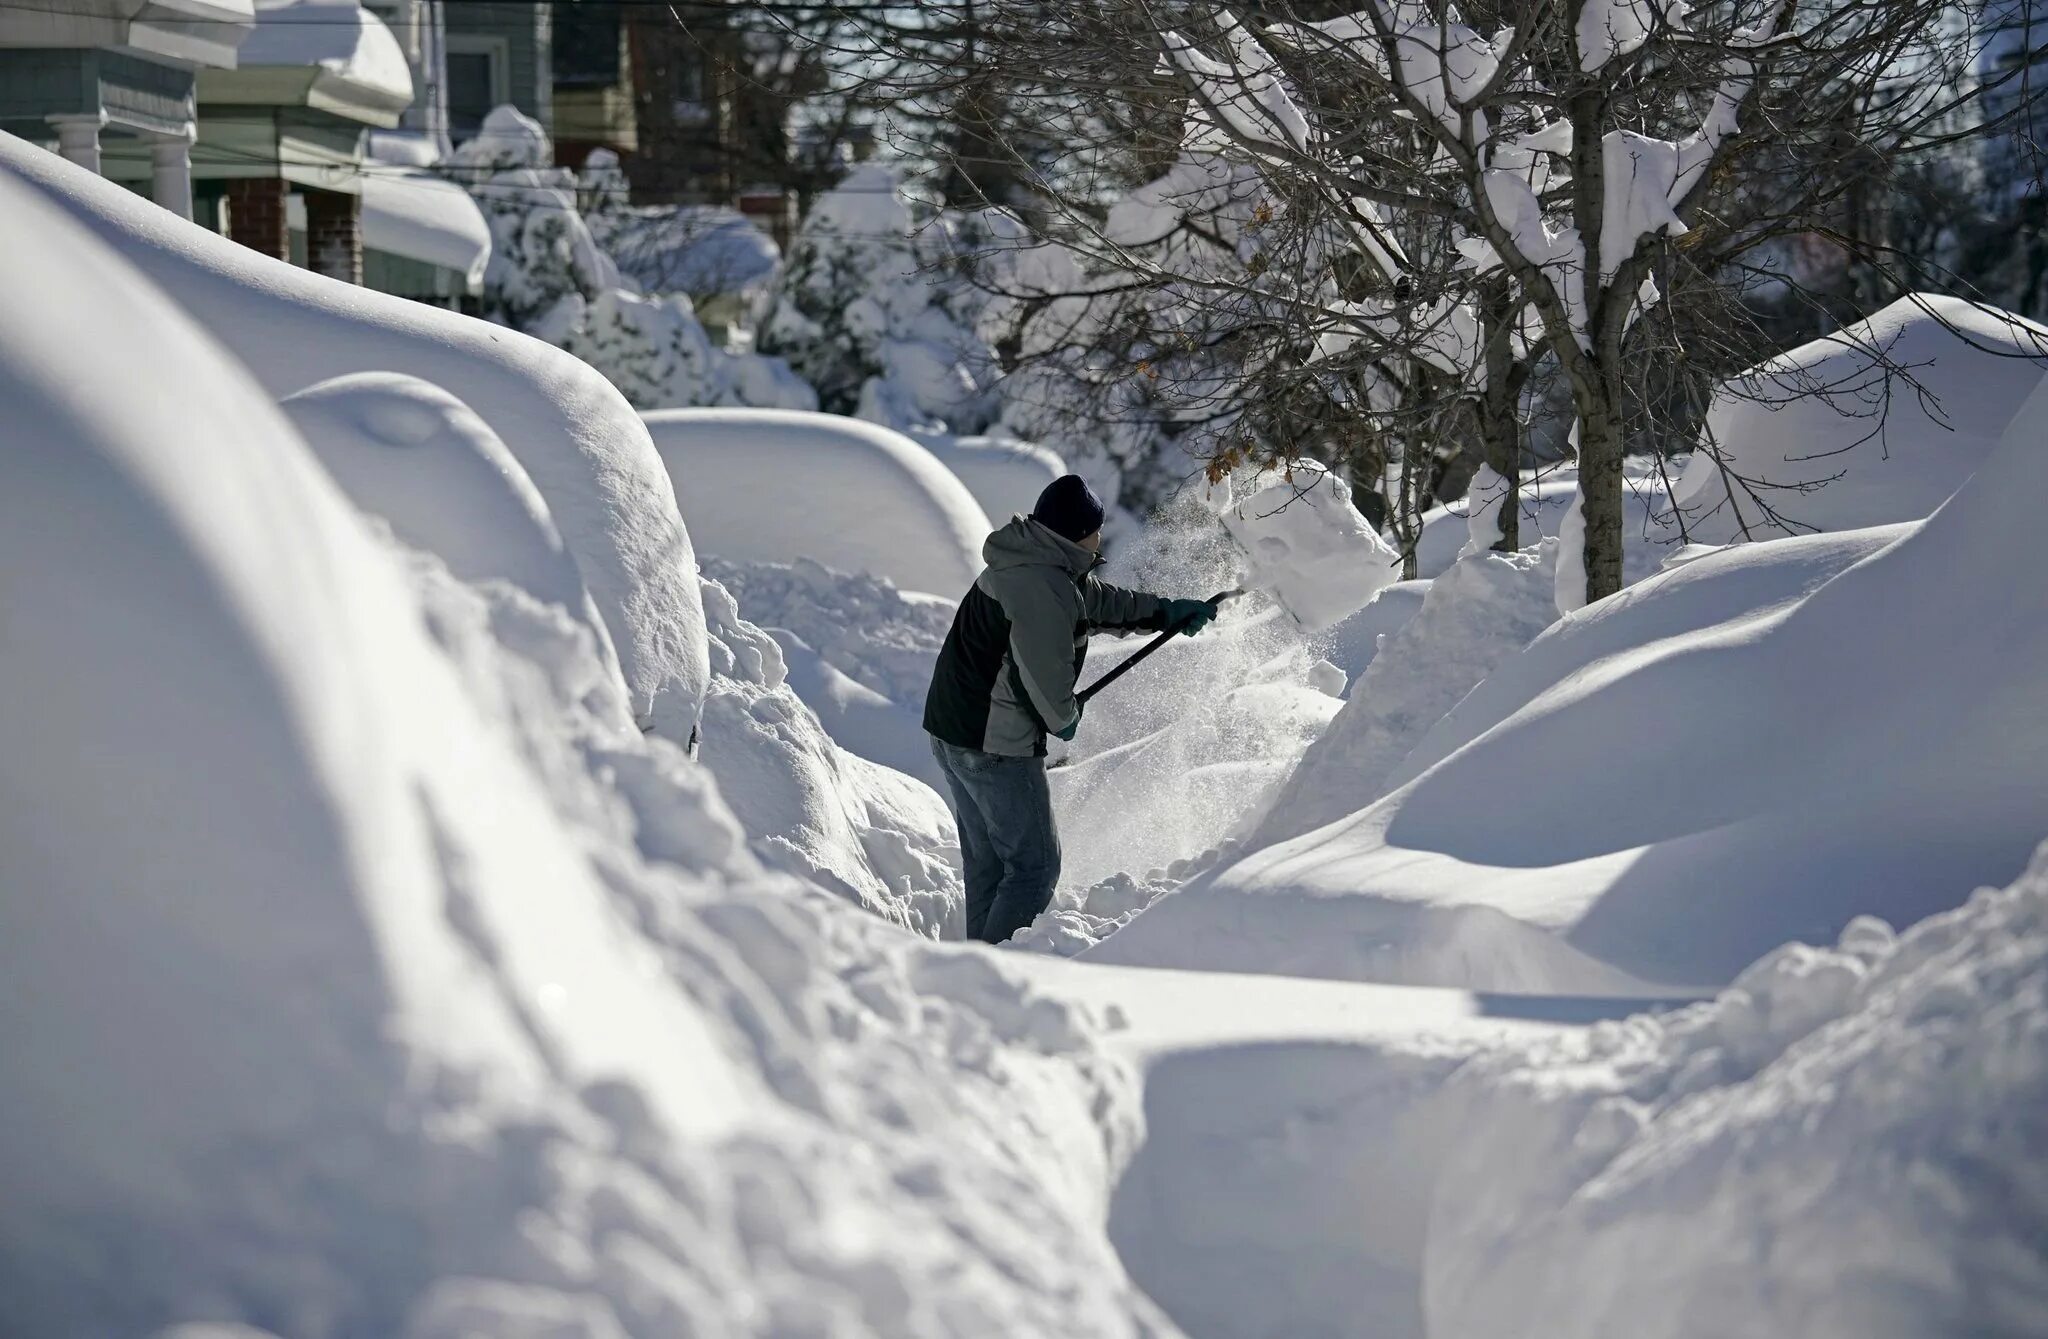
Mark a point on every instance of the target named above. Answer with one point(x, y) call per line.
point(1069, 508)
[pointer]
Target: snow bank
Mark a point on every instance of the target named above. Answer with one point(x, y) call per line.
point(858, 652)
point(1844, 1144)
point(1878, 422)
point(577, 439)
point(423, 461)
point(882, 638)
point(1351, 645)
point(1004, 474)
point(1754, 749)
point(874, 836)
point(773, 486)
point(360, 975)
point(1473, 619)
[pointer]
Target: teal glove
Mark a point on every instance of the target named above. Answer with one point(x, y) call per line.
point(1068, 733)
point(1189, 616)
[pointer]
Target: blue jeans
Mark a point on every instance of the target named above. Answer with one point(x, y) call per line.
point(1007, 839)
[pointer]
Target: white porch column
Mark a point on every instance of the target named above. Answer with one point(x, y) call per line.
point(171, 173)
point(78, 137)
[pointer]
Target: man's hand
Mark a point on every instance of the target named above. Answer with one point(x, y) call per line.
point(1189, 616)
point(1068, 733)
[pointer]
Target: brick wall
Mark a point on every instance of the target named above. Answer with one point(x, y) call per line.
point(334, 235)
point(256, 215)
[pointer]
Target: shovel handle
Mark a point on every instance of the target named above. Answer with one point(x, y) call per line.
point(1147, 649)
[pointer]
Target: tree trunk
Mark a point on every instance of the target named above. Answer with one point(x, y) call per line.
point(1601, 443)
point(1499, 433)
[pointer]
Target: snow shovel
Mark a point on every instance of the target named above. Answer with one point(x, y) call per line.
point(1147, 649)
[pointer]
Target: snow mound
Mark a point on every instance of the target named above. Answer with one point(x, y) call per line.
point(1473, 619)
point(1352, 645)
point(1306, 542)
point(1004, 474)
point(876, 837)
point(1649, 536)
point(360, 975)
point(410, 453)
point(577, 438)
point(858, 652)
point(1845, 1143)
point(882, 638)
point(1755, 750)
point(762, 485)
point(1876, 423)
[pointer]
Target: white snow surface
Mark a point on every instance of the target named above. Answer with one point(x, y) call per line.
point(408, 452)
point(1845, 1143)
point(1005, 475)
point(348, 915)
point(763, 485)
point(578, 440)
point(1879, 422)
point(873, 835)
point(858, 652)
point(1472, 620)
point(339, 36)
point(422, 217)
point(1307, 544)
point(1727, 793)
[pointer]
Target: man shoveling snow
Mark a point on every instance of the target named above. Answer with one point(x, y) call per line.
point(1006, 678)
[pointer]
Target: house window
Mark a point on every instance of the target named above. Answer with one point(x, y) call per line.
point(479, 79)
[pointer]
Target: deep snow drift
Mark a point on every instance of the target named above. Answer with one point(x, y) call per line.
point(771, 485)
point(1876, 423)
point(1729, 786)
point(577, 438)
point(1847, 1143)
point(364, 971)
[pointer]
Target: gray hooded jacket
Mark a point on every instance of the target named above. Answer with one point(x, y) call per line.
point(1006, 675)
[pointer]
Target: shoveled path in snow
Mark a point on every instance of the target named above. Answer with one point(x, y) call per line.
point(1291, 1144)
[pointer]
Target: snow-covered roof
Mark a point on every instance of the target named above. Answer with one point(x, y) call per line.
point(348, 45)
point(422, 217)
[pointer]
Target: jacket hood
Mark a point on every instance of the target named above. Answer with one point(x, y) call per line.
point(1026, 543)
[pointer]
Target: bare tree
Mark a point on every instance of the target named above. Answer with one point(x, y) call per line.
point(1513, 185)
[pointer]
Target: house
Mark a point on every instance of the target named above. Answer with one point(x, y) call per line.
point(111, 84)
point(281, 134)
point(284, 161)
point(498, 52)
point(594, 89)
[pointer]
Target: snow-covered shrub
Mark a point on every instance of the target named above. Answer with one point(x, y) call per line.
point(871, 313)
point(550, 277)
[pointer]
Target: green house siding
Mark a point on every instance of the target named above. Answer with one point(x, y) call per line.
point(136, 94)
point(528, 34)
